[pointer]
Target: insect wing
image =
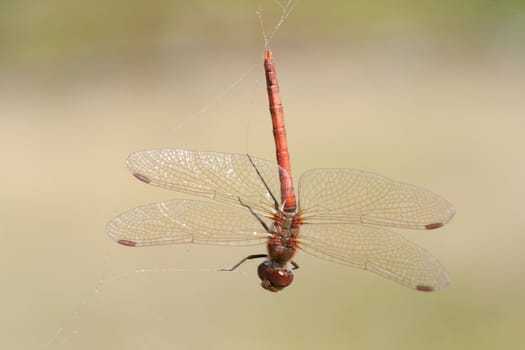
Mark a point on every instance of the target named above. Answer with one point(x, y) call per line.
point(353, 196)
point(186, 221)
point(228, 178)
point(377, 250)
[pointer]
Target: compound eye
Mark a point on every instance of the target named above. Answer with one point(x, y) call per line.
point(274, 278)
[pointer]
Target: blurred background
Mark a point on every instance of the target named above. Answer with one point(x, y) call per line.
point(425, 92)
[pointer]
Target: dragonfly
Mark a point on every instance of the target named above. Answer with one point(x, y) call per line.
point(340, 215)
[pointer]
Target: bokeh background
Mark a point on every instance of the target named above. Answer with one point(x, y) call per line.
point(427, 92)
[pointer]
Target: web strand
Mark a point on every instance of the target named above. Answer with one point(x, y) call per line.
point(71, 335)
point(286, 10)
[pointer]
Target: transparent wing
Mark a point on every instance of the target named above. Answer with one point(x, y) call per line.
point(221, 176)
point(375, 249)
point(186, 221)
point(353, 196)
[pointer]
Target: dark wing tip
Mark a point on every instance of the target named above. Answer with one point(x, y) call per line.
point(142, 178)
point(127, 243)
point(422, 288)
point(433, 226)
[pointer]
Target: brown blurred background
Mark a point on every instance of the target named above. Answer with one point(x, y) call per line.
point(426, 92)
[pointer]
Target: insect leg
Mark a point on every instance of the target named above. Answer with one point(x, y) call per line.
point(249, 257)
point(255, 214)
point(275, 203)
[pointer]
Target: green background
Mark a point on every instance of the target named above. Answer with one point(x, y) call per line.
point(426, 92)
